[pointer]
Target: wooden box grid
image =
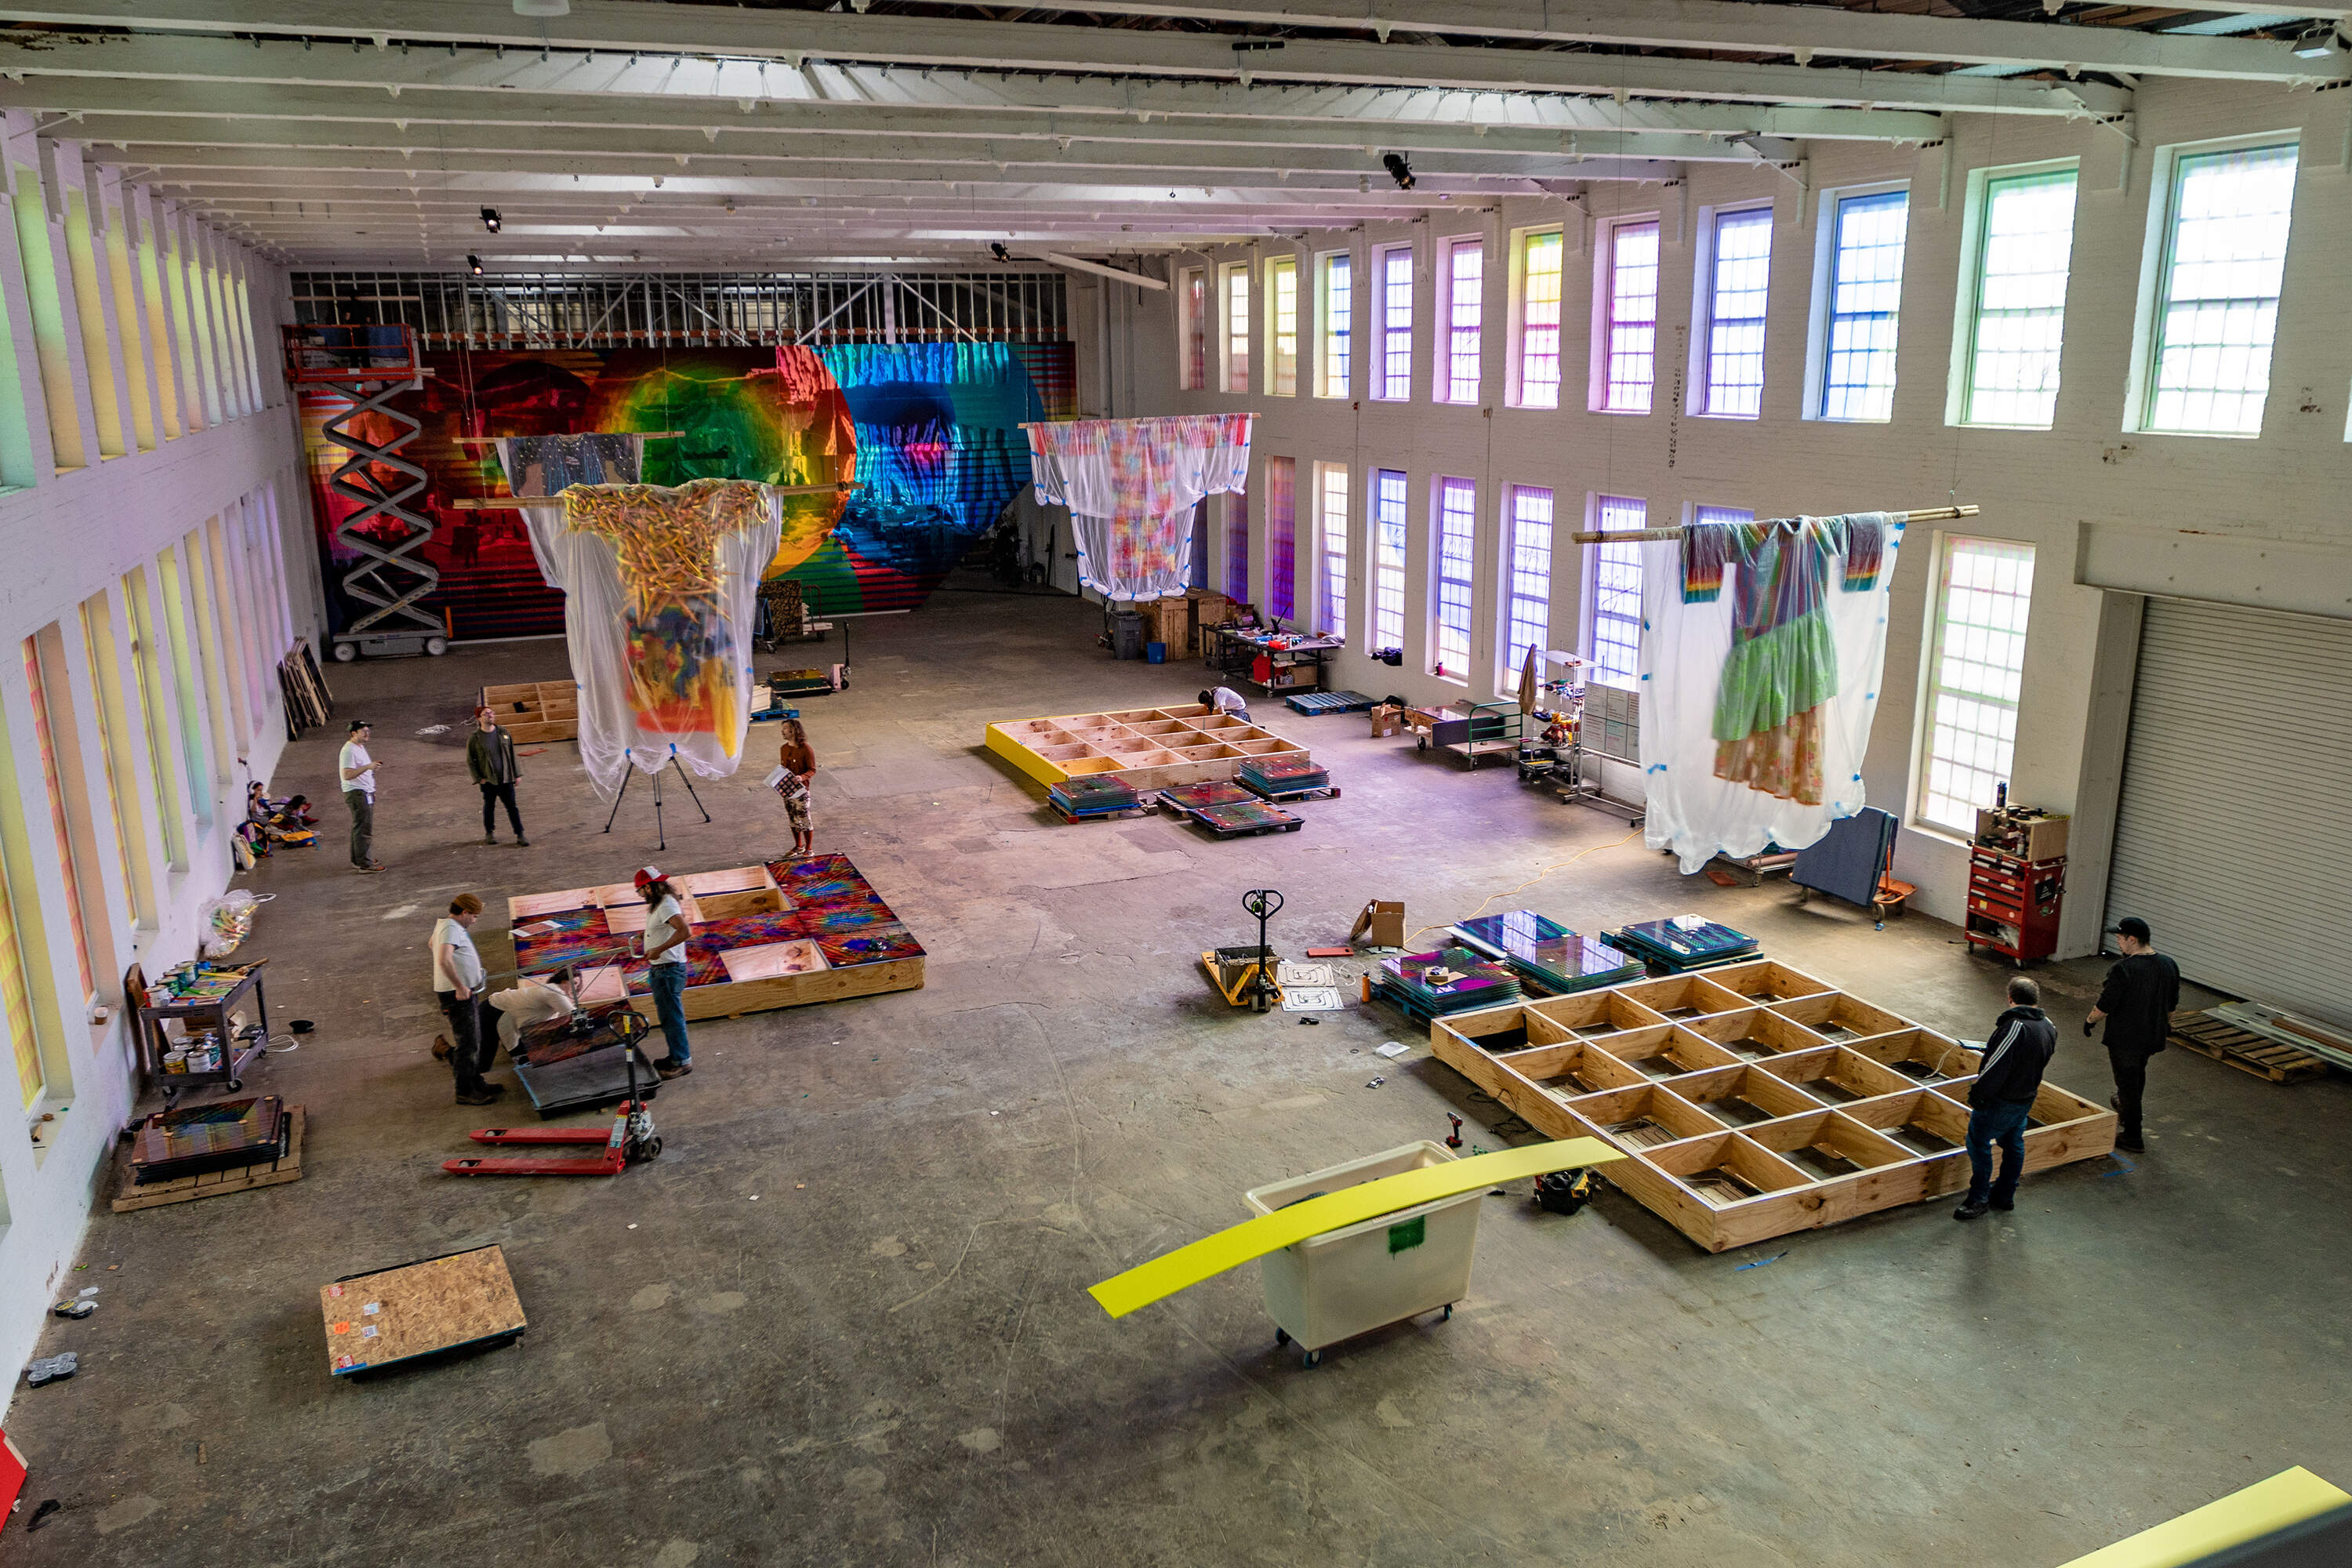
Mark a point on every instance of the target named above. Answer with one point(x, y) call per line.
point(533, 711)
point(1740, 1118)
point(1148, 748)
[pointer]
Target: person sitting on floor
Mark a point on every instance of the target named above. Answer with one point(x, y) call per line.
point(1225, 700)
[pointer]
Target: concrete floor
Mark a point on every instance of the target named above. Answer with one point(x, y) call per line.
point(842, 1320)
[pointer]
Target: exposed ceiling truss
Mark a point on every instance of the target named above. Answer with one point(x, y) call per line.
point(342, 131)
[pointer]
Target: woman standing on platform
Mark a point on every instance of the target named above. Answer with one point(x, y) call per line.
point(798, 762)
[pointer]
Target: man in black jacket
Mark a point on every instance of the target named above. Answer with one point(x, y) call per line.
point(2136, 1001)
point(2022, 1041)
point(491, 758)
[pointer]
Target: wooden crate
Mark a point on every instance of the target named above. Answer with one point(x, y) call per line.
point(536, 711)
point(1739, 1121)
point(287, 1167)
point(2248, 1052)
point(1150, 748)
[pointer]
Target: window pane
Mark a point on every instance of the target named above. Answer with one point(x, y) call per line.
point(1463, 287)
point(1540, 322)
point(1388, 559)
point(2218, 312)
point(1632, 340)
point(1338, 324)
point(1866, 294)
point(1616, 650)
point(1282, 344)
point(2020, 315)
point(1192, 327)
point(1396, 323)
point(1281, 536)
point(1333, 621)
point(1458, 522)
point(1734, 326)
point(1237, 572)
point(1237, 309)
point(1526, 582)
point(1976, 676)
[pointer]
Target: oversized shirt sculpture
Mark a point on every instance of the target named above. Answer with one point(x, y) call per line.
point(1757, 706)
point(1131, 485)
point(658, 588)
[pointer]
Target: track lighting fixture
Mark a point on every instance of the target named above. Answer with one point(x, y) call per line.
point(476, 263)
point(1399, 169)
point(491, 219)
point(996, 248)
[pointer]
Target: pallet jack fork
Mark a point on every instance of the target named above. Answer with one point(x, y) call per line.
point(632, 1139)
point(1246, 976)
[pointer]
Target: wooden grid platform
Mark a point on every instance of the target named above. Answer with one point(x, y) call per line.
point(375, 1321)
point(535, 712)
point(286, 1167)
point(2242, 1049)
point(1752, 1101)
point(1150, 748)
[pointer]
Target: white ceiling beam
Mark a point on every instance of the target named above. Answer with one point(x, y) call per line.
point(749, 55)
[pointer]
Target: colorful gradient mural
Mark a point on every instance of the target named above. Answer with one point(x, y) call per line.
point(771, 415)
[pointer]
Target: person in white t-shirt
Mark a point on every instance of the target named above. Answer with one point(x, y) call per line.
point(666, 935)
point(356, 770)
point(1225, 700)
point(458, 984)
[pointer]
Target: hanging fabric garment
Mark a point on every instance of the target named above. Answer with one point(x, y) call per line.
point(659, 588)
point(1132, 485)
point(1756, 705)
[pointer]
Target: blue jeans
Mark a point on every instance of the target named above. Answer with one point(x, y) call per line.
point(2004, 1125)
point(669, 983)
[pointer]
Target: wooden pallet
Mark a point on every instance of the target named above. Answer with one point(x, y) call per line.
point(1284, 797)
point(287, 1167)
point(534, 712)
point(1115, 812)
point(2246, 1052)
point(1790, 1104)
point(1250, 831)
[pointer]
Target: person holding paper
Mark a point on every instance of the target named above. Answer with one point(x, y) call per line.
point(795, 772)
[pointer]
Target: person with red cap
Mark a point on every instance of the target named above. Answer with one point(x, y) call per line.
point(665, 940)
point(491, 758)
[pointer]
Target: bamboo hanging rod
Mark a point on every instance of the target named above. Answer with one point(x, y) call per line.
point(518, 503)
point(1633, 535)
point(494, 440)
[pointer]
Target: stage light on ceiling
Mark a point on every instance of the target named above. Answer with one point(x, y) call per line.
point(476, 263)
point(1399, 169)
point(491, 219)
point(998, 251)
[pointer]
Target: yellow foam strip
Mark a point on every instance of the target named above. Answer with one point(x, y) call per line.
point(1213, 1255)
point(2288, 1498)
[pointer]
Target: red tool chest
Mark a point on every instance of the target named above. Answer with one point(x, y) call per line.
point(2013, 903)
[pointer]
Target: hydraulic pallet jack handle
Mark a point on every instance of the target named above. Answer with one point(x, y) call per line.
point(1264, 903)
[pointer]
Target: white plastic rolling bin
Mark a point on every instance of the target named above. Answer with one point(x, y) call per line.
point(1346, 1282)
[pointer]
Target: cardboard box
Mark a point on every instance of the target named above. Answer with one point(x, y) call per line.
point(1387, 719)
point(1381, 924)
point(2046, 836)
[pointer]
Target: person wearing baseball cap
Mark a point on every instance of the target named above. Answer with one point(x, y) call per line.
point(2135, 1003)
point(491, 758)
point(356, 770)
point(665, 940)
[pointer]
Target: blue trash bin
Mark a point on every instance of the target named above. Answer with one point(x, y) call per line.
point(1155, 653)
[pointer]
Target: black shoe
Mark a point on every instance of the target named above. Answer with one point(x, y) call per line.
point(480, 1097)
point(2131, 1145)
point(669, 1070)
point(1972, 1211)
point(488, 839)
point(2003, 1207)
point(520, 842)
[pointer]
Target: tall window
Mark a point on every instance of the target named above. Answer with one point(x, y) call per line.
point(1630, 334)
point(1395, 313)
point(1331, 578)
point(98, 637)
point(1616, 646)
point(1866, 294)
point(1465, 273)
point(147, 664)
point(1237, 572)
point(2020, 316)
point(1237, 324)
point(1388, 558)
point(1526, 582)
point(1707, 515)
point(1975, 673)
point(1737, 284)
point(2217, 299)
point(55, 786)
point(1539, 281)
point(1334, 357)
point(17, 1004)
point(1192, 329)
point(1458, 529)
point(1282, 327)
point(1281, 537)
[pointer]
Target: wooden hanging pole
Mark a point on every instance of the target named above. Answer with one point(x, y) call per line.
point(1633, 535)
point(518, 503)
point(494, 440)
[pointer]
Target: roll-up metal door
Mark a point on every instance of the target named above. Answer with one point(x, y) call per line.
point(2233, 836)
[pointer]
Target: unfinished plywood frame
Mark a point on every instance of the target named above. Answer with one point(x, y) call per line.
point(1146, 748)
point(535, 712)
point(1752, 1101)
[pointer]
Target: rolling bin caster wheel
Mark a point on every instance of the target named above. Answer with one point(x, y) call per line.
point(1282, 1336)
point(346, 651)
point(235, 1084)
point(1311, 1360)
point(436, 646)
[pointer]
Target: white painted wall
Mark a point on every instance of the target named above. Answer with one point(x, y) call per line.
point(71, 535)
point(2040, 488)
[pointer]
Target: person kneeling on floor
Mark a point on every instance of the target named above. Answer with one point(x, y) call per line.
point(665, 938)
point(458, 982)
point(2010, 1076)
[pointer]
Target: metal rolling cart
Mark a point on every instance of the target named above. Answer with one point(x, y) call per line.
point(239, 1045)
point(1608, 731)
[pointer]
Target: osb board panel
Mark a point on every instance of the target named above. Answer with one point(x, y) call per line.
point(288, 1167)
point(2067, 1127)
point(1138, 745)
point(376, 1320)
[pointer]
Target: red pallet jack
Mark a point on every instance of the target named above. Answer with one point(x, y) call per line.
point(632, 1139)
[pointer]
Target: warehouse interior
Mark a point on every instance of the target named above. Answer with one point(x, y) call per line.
point(1389, 762)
